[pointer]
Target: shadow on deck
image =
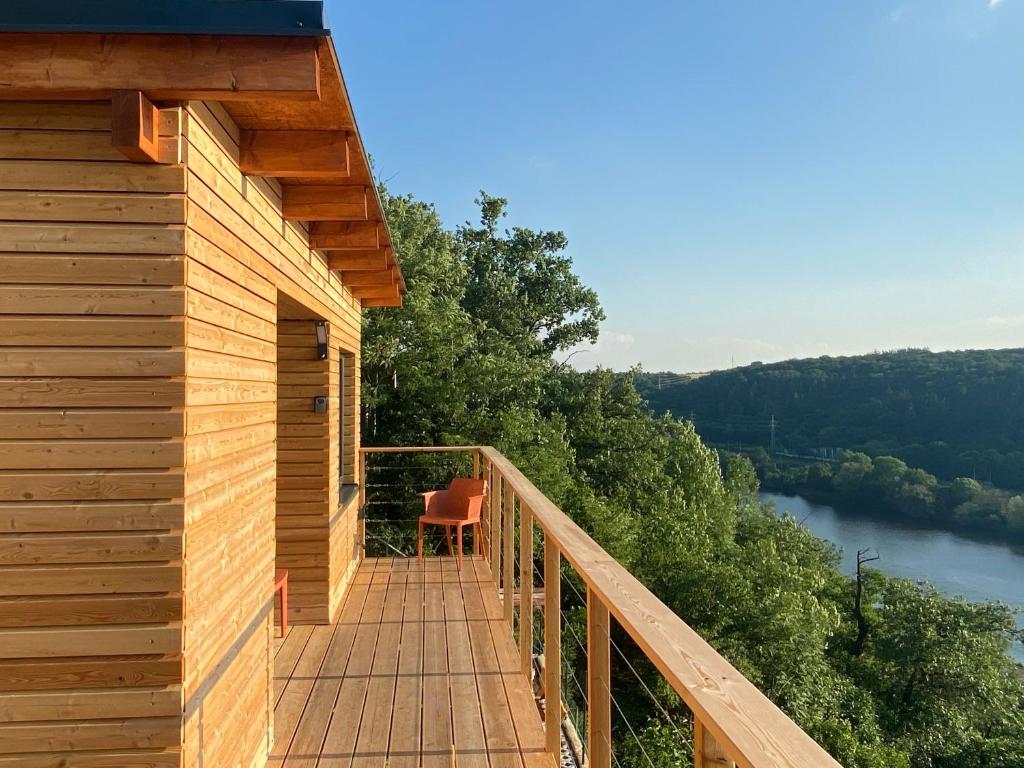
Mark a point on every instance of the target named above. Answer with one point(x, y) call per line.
point(420, 670)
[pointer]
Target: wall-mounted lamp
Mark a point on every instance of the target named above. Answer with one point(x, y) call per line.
point(321, 339)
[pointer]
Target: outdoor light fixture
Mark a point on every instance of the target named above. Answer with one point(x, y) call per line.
point(321, 339)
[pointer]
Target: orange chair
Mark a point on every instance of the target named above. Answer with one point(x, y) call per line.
point(458, 506)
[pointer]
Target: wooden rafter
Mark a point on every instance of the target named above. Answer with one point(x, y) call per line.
point(393, 302)
point(309, 154)
point(376, 292)
point(335, 202)
point(373, 259)
point(164, 67)
point(367, 278)
point(341, 235)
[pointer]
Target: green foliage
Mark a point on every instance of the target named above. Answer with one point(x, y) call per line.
point(952, 413)
point(468, 359)
point(887, 485)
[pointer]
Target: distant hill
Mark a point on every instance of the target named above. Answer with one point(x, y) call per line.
point(952, 413)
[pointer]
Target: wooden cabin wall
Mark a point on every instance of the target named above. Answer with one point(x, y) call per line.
point(92, 389)
point(240, 254)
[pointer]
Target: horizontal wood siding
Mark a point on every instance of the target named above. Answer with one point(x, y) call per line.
point(303, 469)
point(92, 444)
point(241, 257)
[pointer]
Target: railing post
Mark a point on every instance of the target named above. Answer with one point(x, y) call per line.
point(707, 753)
point(361, 512)
point(599, 679)
point(552, 646)
point(476, 463)
point(495, 525)
point(508, 556)
point(526, 590)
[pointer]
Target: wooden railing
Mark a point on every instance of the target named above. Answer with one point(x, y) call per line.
point(734, 724)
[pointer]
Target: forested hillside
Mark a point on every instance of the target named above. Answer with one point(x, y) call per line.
point(902, 678)
point(954, 414)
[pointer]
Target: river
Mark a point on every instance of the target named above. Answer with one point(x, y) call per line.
point(976, 570)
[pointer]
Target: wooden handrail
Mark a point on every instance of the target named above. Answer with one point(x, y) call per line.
point(734, 722)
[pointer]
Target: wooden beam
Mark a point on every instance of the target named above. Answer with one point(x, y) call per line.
point(312, 154)
point(371, 259)
point(599, 683)
point(333, 202)
point(135, 126)
point(375, 291)
point(552, 646)
point(345, 236)
point(164, 67)
point(369, 303)
point(362, 278)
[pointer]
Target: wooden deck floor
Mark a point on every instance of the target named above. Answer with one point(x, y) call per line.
point(420, 670)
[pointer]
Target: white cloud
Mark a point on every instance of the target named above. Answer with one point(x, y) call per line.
point(897, 14)
point(994, 3)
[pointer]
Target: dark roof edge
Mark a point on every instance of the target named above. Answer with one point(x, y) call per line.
point(168, 17)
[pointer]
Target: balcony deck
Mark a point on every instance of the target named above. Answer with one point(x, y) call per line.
point(420, 670)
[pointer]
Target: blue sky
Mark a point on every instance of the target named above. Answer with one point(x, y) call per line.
point(738, 180)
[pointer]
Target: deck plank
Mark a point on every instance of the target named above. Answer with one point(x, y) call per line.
point(502, 745)
point(467, 725)
point(308, 740)
point(420, 670)
point(375, 725)
point(437, 720)
point(340, 740)
point(406, 721)
point(525, 714)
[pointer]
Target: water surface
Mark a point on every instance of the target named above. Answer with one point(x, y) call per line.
point(973, 569)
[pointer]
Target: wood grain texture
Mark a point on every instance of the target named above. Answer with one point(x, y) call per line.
point(92, 308)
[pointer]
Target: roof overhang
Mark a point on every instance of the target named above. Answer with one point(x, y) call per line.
point(273, 66)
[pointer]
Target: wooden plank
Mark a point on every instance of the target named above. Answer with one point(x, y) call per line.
point(552, 647)
point(136, 758)
point(96, 641)
point(222, 68)
point(77, 176)
point(89, 610)
point(284, 154)
point(84, 485)
point(113, 207)
point(406, 721)
point(599, 690)
point(502, 744)
point(36, 549)
point(346, 235)
point(707, 753)
point(91, 454)
point(83, 705)
point(83, 270)
point(340, 741)
point(51, 423)
point(360, 259)
point(325, 202)
point(91, 332)
point(57, 145)
point(127, 733)
point(62, 116)
point(34, 674)
point(36, 517)
point(508, 578)
point(519, 693)
point(288, 653)
point(81, 300)
point(363, 278)
point(25, 580)
point(526, 592)
point(78, 238)
point(304, 749)
point(467, 723)
point(437, 738)
point(375, 724)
